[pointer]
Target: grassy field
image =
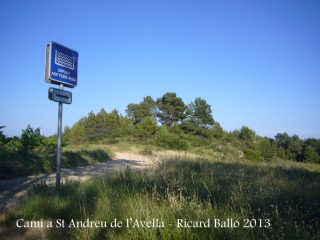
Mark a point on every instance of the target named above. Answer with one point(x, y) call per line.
point(184, 197)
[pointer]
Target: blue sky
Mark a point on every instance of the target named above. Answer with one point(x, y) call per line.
point(257, 63)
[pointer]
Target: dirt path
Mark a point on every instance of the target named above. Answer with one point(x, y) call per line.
point(15, 189)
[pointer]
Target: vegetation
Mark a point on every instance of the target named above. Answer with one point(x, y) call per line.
point(265, 199)
point(167, 123)
point(171, 124)
point(32, 153)
point(269, 186)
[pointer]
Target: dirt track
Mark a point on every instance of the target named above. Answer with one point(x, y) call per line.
point(14, 189)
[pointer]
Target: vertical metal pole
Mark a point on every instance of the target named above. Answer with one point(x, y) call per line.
point(59, 145)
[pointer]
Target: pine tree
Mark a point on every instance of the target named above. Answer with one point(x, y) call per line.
point(171, 109)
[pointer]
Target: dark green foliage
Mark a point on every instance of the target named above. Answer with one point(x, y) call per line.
point(30, 139)
point(138, 112)
point(189, 128)
point(246, 134)
point(282, 140)
point(3, 141)
point(293, 148)
point(2, 137)
point(199, 113)
point(310, 154)
point(172, 142)
point(146, 129)
point(191, 125)
point(77, 133)
point(97, 127)
point(182, 127)
point(171, 109)
point(267, 148)
point(218, 130)
point(33, 154)
point(28, 154)
point(167, 140)
point(252, 155)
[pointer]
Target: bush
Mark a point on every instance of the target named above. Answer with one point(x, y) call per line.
point(146, 128)
point(30, 139)
point(48, 165)
point(172, 142)
point(252, 155)
point(198, 141)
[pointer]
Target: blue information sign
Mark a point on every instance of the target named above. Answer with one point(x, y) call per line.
point(61, 65)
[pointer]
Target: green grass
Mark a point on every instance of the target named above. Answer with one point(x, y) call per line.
point(195, 189)
point(81, 156)
point(41, 161)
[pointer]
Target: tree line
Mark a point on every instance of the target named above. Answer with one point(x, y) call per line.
point(166, 122)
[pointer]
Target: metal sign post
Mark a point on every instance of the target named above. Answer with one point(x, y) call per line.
point(61, 67)
point(58, 166)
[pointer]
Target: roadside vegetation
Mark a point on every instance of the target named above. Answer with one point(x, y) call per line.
point(164, 123)
point(270, 185)
point(32, 153)
point(267, 200)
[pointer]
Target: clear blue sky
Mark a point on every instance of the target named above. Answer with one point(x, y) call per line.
point(257, 63)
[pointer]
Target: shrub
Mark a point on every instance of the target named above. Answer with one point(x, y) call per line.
point(167, 140)
point(30, 139)
point(172, 142)
point(252, 155)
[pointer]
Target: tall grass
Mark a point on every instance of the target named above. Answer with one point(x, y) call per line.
point(194, 189)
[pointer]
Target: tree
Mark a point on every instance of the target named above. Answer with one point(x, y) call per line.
point(295, 148)
point(310, 155)
point(3, 141)
point(90, 126)
point(313, 142)
point(133, 113)
point(200, 114)
point(101, 122)
point(2, 137)
point(30, 139)
point(266, 148)
point(218, 130)
point(147, 128)
point(289, 147)
point(247, 134)
point(77, 133)
point(282, 140)
point(171, 109)
point(138, 112)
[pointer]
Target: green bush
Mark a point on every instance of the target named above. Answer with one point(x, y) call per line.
point(252, 155)
point(167, 140)
point(48, 165)
point(197, 141)
point(172, 142)
point(30, 139)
